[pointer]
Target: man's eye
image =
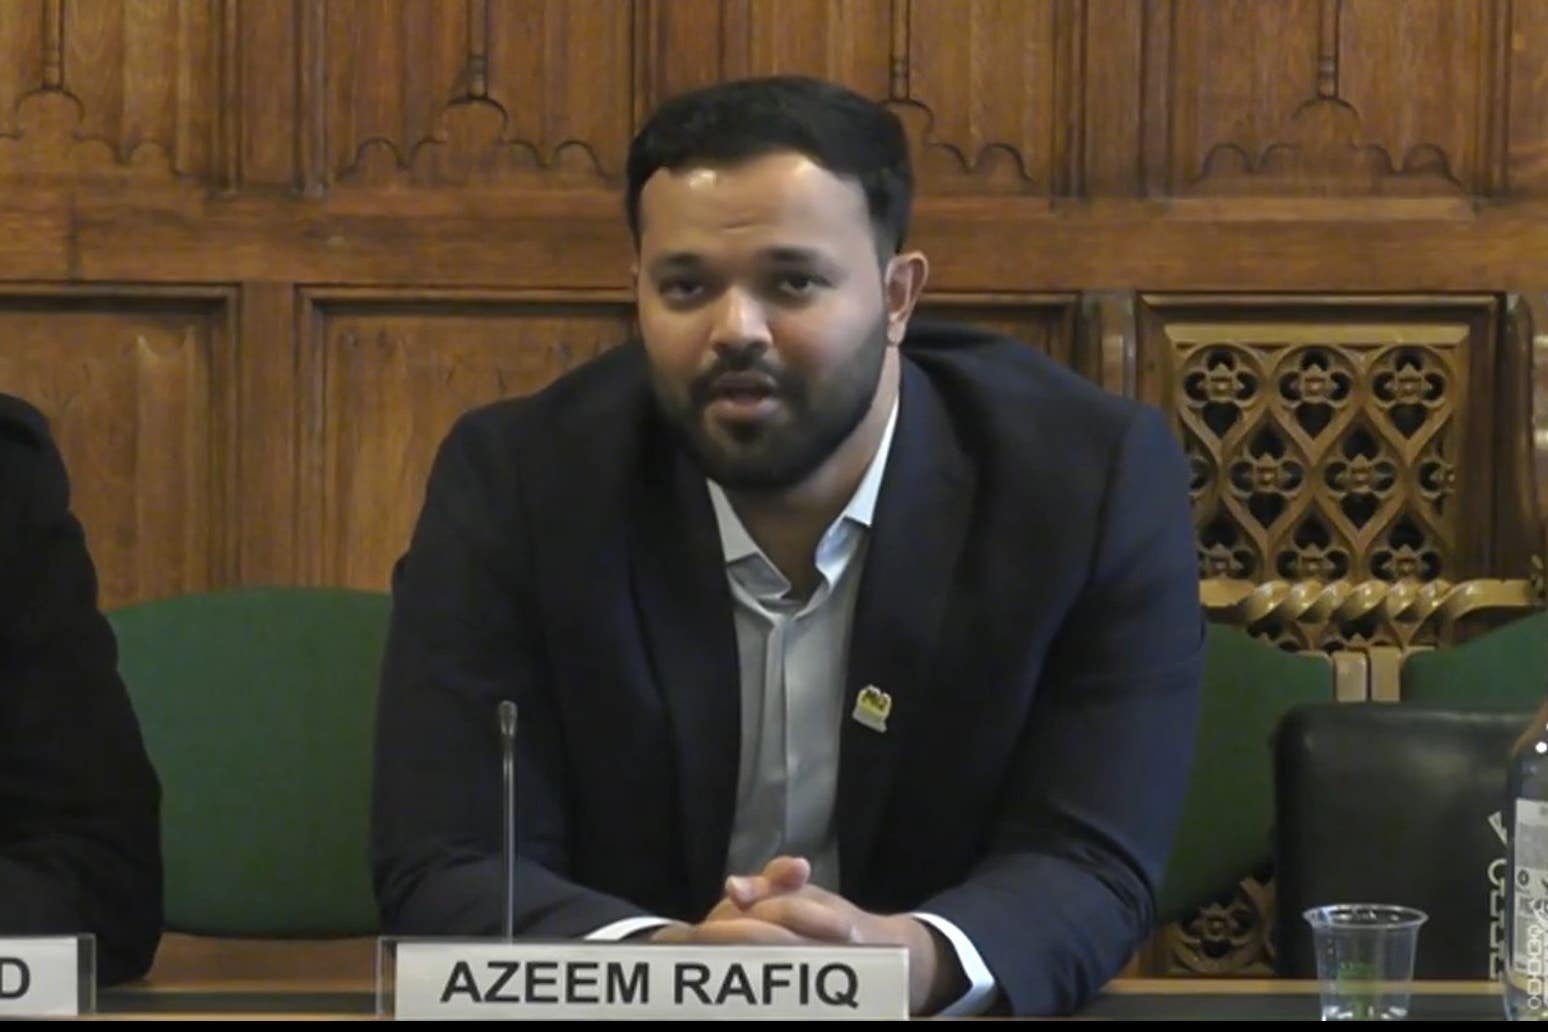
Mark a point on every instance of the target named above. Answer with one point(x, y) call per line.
point(798, 284)
point(680, 289)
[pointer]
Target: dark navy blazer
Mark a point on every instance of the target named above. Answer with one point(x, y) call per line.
point(1029, 601)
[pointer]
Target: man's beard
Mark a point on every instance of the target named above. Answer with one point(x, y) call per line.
point(767, 457)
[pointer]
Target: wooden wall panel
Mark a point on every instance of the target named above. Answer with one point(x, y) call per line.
point(1047, 322)
point(261, 120)
point(986, 71)
point(267, 514)
point(1527, 102)
point(1331, 438)
point(391, 67)
point(1113, 101)
point(403, 148)
point(561, 71)
point(138, 392)
point(108, 90)
point(21, 57)
point(478, 93)
point(1417, 82)
point(849, 43)
point(394, 372)
point(1239, 71)
point(1329, 97)
point(681, 44)
point(144, 73)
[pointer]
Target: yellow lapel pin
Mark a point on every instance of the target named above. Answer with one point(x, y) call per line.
point(872, 708)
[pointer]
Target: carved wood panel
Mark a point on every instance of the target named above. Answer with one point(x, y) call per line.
point(1527, 104)
point(138, 391)
point(1047, 322)
point(1323, 97)
point(1329, 439)
point(21, 57)
point(1044, 97)
point(391, 372)
point(113, 90)
point(475, 93)
point(684, 44)
point(986, 75)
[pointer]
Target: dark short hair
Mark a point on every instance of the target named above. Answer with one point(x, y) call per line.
point(731, 122)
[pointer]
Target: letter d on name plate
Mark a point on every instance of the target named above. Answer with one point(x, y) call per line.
point(47, 976)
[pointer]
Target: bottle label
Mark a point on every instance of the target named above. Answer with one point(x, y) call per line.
point(1529, 943)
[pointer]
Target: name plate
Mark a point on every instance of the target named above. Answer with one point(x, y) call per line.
point(592, 980)
point(46, 976)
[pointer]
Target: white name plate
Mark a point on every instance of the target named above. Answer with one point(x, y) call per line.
point(45, 976)
point(591, 980)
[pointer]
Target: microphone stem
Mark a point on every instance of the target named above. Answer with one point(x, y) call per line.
point(508, 785)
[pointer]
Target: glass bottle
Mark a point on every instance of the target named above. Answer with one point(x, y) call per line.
point(1524, 963)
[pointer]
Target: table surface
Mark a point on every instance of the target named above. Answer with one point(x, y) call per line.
point(1129, 999)
point(1268, 999)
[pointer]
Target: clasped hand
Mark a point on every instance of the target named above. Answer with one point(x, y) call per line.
point(780, 906)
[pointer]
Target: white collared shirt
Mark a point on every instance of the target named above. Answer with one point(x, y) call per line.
point(794, 659)
point(794, 665)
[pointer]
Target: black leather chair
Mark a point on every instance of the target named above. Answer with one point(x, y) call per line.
point(1394, 803)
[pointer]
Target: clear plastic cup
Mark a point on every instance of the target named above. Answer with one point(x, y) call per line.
point(1365, 959)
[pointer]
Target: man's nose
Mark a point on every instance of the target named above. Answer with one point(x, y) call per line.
point(740, 322)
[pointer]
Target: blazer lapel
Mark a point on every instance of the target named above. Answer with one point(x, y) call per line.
point(916, 537)
point(685, 610)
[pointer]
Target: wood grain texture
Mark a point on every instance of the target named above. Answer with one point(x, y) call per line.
point(268, 444)
point(144, 74)
point(263, 113)
point(681, 45)
point(1341, 98)
point(848, 43)
point(984, 74)
point(577, 239)
point(21, 57)
point(137, 387)
point(552, 100)
point(1113, 91)
point(1521, 445)
point(389, 373)
point(1527, 110)
point(1046, 322)
point(118, 92)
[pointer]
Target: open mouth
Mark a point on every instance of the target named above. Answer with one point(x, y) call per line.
point(741, 396)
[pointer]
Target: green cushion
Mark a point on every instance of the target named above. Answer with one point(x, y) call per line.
point(1501, 671)
point(257, 709)
point(1228, 813)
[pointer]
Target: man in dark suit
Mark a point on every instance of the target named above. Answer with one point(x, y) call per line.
point(822, 627)
point(80, 847)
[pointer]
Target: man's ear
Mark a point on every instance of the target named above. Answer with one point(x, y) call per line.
point(904, 281)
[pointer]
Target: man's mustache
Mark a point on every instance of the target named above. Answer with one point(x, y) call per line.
point(707, 384)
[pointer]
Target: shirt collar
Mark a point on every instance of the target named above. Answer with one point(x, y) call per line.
point(737, 544)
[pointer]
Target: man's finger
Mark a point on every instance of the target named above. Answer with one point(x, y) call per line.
point(677, 931)
point(808, 917)
point(736, 930)
point(788, 873)
point(781, 874)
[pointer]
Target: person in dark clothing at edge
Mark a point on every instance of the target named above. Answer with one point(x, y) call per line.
point(80, 847)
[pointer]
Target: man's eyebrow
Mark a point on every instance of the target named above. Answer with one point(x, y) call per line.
point(676, 260)
point(795, 255)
